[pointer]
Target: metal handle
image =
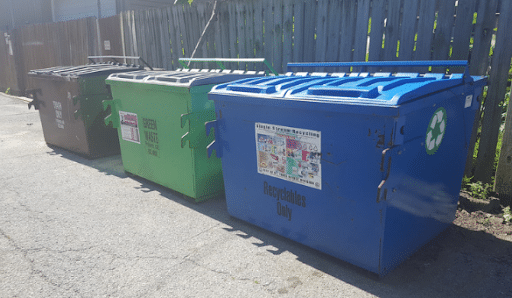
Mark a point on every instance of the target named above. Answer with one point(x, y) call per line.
point(35, 102)
point(379, 188)
point(220, 60)
point(91, 58)
point(444, 63)
point(114, 116)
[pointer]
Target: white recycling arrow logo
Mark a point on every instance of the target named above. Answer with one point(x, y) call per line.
point(435, 131)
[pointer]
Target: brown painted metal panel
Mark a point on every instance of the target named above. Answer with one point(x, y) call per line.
point(56, 110)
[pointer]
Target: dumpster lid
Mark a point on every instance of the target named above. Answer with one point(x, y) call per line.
point(95, 69)
point(383, 89)
point(185, 77)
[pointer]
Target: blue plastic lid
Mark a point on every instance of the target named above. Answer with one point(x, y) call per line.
point(377, 88)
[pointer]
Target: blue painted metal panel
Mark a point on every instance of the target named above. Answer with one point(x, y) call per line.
point(365, 168)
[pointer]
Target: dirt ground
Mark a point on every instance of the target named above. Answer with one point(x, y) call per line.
point(472, 258)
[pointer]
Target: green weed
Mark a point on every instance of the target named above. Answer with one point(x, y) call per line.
point(477, 189)
point(507, 214)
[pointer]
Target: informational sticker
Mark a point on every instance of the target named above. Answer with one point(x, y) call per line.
point(106, 45)
point(60, 123)
point(57, 106)
point(435, 131)
point(469, 100)
point(288, 153)
point(129, 127)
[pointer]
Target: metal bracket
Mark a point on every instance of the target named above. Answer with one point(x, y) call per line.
point(75, 99)
point(114, 116)
point(194, 136)
point(213, 145)
point(381, 185)
point(36, 103)
point(77, 114)
point(184, 118)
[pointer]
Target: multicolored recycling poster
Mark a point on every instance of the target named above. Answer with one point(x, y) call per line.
point(129, 127)
point(291, 154)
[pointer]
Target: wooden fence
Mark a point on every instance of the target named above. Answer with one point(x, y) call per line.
point(8, 71)
point(285, 31)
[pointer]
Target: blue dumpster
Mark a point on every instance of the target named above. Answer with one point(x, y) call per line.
point(366, 167)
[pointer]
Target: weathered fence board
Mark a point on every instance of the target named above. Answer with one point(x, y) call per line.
point(392, 30)
point(443, 32)
point(498, 84)
point(224, 22)
point(462, 29)
point(361, 32)
point(321, 30)
point(408, 31)
point(287, 32)
point(378, 10)
point(485, 22)
point(258, 32)
point(347, 14)
point(8, 72)
point(425, 27)
point(278, 35)
point(503, 181)
point(309, 31)
point(333, 22)
point(233, 47)
point(298, 32)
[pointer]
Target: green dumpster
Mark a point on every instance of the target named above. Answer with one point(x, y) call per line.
point(160, 117)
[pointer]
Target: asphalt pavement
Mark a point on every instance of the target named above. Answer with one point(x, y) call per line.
point(73, 227)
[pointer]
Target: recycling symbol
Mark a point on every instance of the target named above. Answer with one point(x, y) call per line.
point(435, 131)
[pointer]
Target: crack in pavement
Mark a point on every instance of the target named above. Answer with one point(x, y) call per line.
point(33, 271)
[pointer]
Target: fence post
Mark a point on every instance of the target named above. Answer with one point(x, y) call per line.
point(19, 61)
point(503, 182)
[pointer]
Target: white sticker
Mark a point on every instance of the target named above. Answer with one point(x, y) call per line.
point(291, 154)
point(106, 44)
point(60, 123)
point(57, 106)
point(469, 100)
point(129, 127)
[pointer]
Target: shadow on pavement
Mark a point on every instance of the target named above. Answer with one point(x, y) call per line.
point(111, 165)
point(457, 263)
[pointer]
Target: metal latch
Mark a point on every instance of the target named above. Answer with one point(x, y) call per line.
point(213, 145)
